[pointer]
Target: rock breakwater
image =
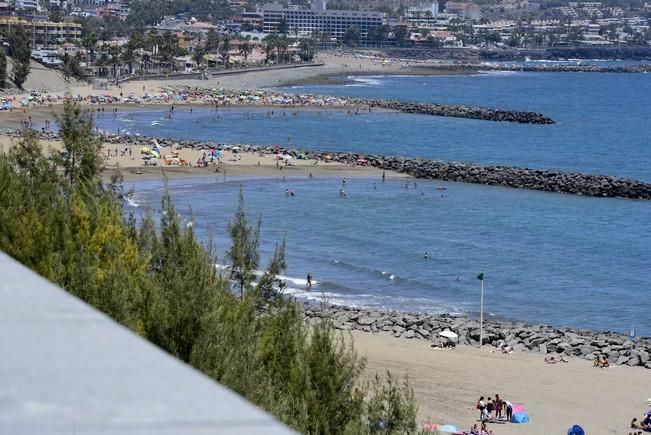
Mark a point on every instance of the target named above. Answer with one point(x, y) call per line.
point(460, 111)
point(519, 336)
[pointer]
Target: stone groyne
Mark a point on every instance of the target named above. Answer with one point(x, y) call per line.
point(460, 111)
point(507, 176)
point(510, 176)
point(519, 336)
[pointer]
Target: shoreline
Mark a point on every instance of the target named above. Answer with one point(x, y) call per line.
point(546, 180)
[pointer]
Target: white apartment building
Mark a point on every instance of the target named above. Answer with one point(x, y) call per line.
point(305, 22)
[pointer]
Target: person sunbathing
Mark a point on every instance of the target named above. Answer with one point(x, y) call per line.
point(554, 359)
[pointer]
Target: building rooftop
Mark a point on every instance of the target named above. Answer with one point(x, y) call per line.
point(68, 369)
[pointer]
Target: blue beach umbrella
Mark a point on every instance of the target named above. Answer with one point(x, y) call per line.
point(520, 417)
point(575, 430)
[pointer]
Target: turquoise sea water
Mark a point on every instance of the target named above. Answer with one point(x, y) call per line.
point(551, 258)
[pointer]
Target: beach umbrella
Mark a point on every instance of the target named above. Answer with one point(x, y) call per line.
point(156, 154)
point(287, 157)
point(448, 334)
point(521, 417)
point(145, 150)
point(449, 428)
point(575, 430)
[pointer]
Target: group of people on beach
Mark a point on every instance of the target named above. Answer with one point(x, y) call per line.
point(492, 410)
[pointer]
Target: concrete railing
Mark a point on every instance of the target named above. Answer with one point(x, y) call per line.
point(66, 368)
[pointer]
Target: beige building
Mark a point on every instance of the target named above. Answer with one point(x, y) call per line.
point(45, 34)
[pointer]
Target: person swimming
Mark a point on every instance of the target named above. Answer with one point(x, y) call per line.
point(426, 257)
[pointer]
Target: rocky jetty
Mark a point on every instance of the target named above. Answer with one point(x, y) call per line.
point(519, 336)
point(511, 176)
point(508, 176)
point(460, 111)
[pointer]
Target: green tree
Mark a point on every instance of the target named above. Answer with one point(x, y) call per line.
point(352, 37)
point(21, 49)
point(243, 253)
point(245, 49)
point(283, 27)
point(55, 14)
point(400, 36)
point(212, 41)
point(89, 42)
point(308, 49)
point(225, 50)
point(269, 47)
point(79, 158)
point(282, 44)
point(71, 67)
point(198, 55)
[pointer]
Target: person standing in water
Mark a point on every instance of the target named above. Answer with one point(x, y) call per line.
point(309, 281)
point(426, 257)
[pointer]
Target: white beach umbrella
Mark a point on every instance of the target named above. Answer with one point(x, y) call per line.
point(448, 334)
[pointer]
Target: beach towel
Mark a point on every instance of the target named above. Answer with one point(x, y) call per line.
point(520, 417)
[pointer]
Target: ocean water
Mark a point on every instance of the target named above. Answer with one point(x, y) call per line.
point(603, 122)
point(550, 258)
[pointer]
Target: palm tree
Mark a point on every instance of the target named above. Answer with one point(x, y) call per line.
point(128, 57)
point(281, 46)
point(212, 41)
point(307, 48)
point(114, 59)
point(224, 50)
point(245, 49)
point(198, 55)
point(169, 48)
point(90, 44)
point(269, 47)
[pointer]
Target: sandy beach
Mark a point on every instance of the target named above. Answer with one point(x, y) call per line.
point(448, 383)
point(335, 64)
point(241, 164)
